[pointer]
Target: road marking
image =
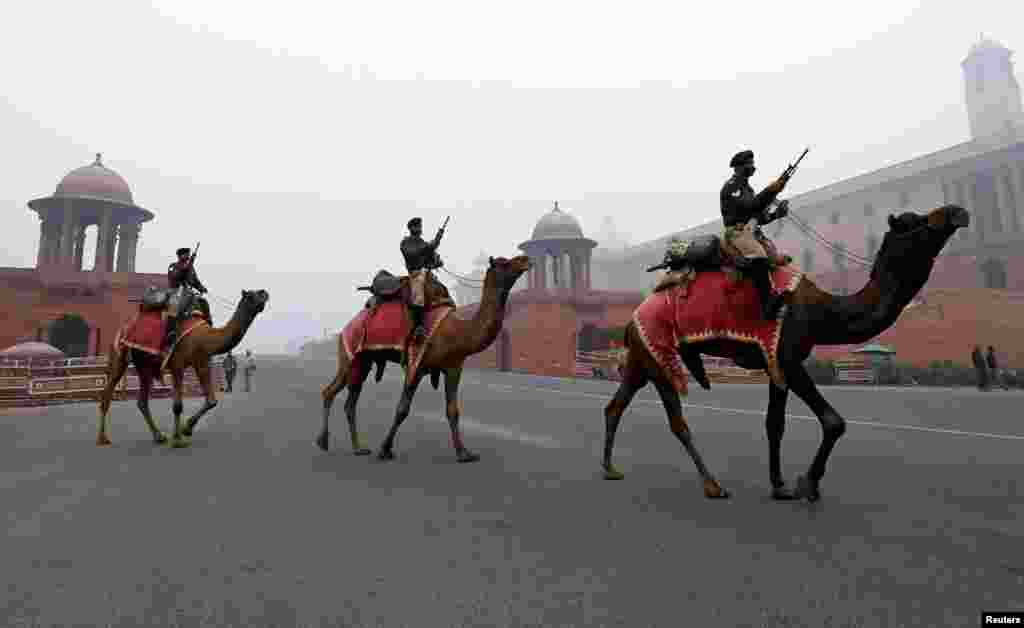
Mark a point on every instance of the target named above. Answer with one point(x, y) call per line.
point(505, 433)
point(802, 417)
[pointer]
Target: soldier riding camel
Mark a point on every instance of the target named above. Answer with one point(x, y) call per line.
point(420, 258)
point(743, 213)
point(182, 280)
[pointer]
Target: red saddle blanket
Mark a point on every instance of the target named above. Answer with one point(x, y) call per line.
point(713, 305)
point(146, 332)
point(387, 327)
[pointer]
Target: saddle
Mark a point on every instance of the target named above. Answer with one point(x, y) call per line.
point(384, 287)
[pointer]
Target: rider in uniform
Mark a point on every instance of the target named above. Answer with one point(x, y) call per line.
point(420, 257)
point(743, 212)
point(182, 279)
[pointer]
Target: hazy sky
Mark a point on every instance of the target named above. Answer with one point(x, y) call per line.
point(273, 132)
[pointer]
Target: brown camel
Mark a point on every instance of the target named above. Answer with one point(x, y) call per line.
point(193, 350)
point(812, 317)
point(454, 340)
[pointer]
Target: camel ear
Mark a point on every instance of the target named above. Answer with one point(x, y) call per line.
point(490, 260)
point(892, 221)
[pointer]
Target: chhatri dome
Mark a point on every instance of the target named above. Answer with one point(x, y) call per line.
point(561, 253)
point(556, 225)
point(95, 181)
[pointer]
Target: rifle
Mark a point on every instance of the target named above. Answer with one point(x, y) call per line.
point(440, 232)
point(192, 258)
point(791, 168)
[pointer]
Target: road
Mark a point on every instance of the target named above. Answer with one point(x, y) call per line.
point(252, 525)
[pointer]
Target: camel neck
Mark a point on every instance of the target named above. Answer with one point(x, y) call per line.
point(490, 315)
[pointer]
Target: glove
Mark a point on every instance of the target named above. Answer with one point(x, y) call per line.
point(782, 210)
point(777, 185)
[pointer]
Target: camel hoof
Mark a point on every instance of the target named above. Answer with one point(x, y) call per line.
point(782, 494)
point(321, 441)
point(159, 438)
point(714, 490)
point(362, 451)
point(807, 488)
point(467, 456)
point(611, 473)
point(103, 440)
point(385, 454)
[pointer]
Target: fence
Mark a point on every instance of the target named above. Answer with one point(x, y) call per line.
point(604, 365)
point(77, 380)
point(854, 370)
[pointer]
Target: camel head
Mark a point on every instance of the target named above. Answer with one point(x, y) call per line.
point(253, 302)
point(908, 251)
point(507, 271)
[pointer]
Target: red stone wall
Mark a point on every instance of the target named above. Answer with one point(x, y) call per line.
point(25, 305)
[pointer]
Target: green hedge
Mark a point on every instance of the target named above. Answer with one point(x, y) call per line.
point(946, 373)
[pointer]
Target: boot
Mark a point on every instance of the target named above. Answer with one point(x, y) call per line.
point(171, 335)
point(759, 274)
point(418, 332)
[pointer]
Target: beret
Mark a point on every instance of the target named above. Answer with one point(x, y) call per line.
point(183, 251)
point(741, 158)
point(414, 221)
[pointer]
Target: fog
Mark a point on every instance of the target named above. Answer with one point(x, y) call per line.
point(295, 140)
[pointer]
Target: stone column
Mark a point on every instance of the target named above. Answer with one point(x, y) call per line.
point(1010, 199)
point(67, 236)
point(588, 283)
point(109, 262)
point(79, 246)
point(574, 271)
point(1000, 223)
point(129, 243)
point(103, 240)
point(1017, 180)
point(45, 232)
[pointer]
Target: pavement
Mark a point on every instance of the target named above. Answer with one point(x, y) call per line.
point(919, 523)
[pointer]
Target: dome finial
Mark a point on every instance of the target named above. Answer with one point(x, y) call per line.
point(98, 162)
point(556, 207)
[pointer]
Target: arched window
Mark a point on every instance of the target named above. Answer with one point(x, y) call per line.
point(70, 334)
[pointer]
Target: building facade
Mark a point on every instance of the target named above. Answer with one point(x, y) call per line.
point(557, 315)
point(60, 301)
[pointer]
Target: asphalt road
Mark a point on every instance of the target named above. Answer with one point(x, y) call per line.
point(919, 524)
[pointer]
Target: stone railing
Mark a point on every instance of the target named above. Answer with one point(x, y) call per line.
point(77, 380)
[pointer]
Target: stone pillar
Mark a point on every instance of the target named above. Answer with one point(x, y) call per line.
point(129, 244)
point(588, 283)
point(1009, 199)
point(79, 246)
point(574, 271)
point(103, 240)
point(109, 262)
point(45, 233)
point(67, 236)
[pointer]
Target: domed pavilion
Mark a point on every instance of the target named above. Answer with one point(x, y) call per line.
point(560, 252)
point(93, 195)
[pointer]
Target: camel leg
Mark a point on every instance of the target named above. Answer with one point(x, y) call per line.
point(328, 394)
point(146, 378)
point(832, 425)
point(677, 423)
point(117, 364)
point(355, 388)
point(178, 440)
point(209, 395)
point(452, 377)
point(612, 417)
point(775, 426)
point(404, 404)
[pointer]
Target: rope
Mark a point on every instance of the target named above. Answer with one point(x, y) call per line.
point(469, 282)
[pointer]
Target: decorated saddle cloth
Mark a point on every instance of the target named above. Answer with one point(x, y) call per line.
point(146, 332)
point(711, 305)
point(386, 327)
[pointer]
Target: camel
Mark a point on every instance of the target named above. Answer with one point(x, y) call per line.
point(811, 317)
point(192, 350)
point(454, 340)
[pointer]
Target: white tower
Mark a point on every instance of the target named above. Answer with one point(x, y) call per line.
point(991, 90)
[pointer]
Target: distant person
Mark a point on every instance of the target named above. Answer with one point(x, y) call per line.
point(980, 367)
point(249, 366)
point(993, 369)
point(230, 370)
